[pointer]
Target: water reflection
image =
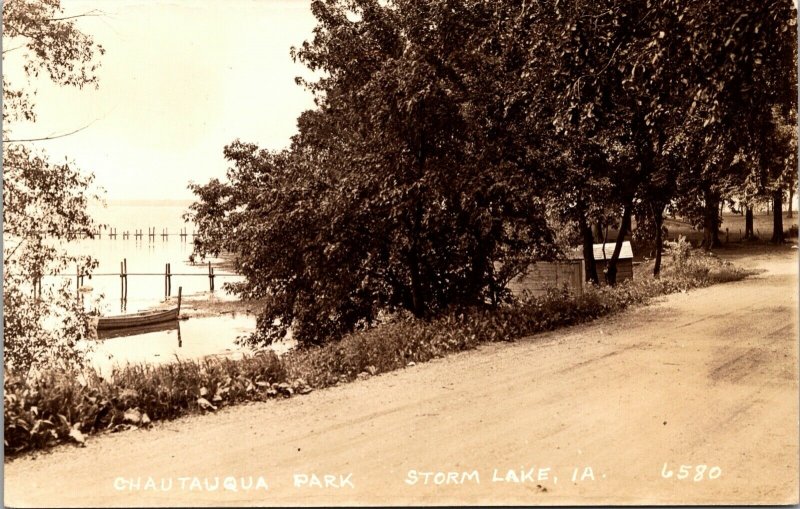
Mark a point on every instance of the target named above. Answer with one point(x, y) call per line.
point(180, 340)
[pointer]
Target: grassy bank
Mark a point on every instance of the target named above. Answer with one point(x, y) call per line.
point(61, 406)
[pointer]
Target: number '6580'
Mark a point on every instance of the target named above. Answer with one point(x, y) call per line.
point(696, 473)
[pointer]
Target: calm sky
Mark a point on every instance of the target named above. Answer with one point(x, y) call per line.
point(179, 80)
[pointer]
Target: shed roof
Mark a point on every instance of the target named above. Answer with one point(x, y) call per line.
point(625, 253)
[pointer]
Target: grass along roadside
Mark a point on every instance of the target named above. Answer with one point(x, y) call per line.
point(60, 406)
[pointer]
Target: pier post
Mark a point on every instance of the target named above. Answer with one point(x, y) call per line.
point(37, 286)
point(167, 281)
point(78, 283)
point(125, 279)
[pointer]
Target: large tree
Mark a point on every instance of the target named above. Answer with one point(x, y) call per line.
point(44, 203)
point(671, 93)
point(748, 81)
point(397, 194)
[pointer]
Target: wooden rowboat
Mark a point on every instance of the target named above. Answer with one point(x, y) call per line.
point(141, 319)
point(138, 331)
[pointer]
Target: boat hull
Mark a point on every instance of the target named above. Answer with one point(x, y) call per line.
point(135, 320)
point(138, 331)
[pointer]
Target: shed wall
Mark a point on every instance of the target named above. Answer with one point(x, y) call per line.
point(624, 269)
point(544, 275)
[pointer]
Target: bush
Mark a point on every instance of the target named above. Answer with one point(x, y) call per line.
point(692, 268)
point(60, 406)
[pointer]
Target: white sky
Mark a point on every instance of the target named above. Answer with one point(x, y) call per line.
point(179, 80)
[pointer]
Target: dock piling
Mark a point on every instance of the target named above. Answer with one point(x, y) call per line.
point(167, 281)
point(210, 276)
point(123, 274)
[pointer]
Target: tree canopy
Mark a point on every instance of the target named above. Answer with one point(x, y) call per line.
point(455, 141)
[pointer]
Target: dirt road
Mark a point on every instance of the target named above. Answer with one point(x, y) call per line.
point(704, 378)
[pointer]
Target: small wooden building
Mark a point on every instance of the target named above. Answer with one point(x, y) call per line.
point(572, 272)
point(544, 275)
point(603, 252)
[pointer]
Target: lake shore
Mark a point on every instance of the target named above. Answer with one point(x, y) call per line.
point(219, 302)
point(209, 304)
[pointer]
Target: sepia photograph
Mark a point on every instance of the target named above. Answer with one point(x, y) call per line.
point(400, 253)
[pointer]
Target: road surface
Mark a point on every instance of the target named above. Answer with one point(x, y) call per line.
point(709, 377)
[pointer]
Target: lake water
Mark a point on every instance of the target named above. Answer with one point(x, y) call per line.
point(194, 338)
point(144, 256)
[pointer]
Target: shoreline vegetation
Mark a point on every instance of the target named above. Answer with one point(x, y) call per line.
point(60, 405)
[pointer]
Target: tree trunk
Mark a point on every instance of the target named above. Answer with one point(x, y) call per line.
point(611, 271)
point(748, 223)
point(658, 220)
point(791, 199)
point(777, 216)
point(711, 221)
point(588, 250)
point(597, 230)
